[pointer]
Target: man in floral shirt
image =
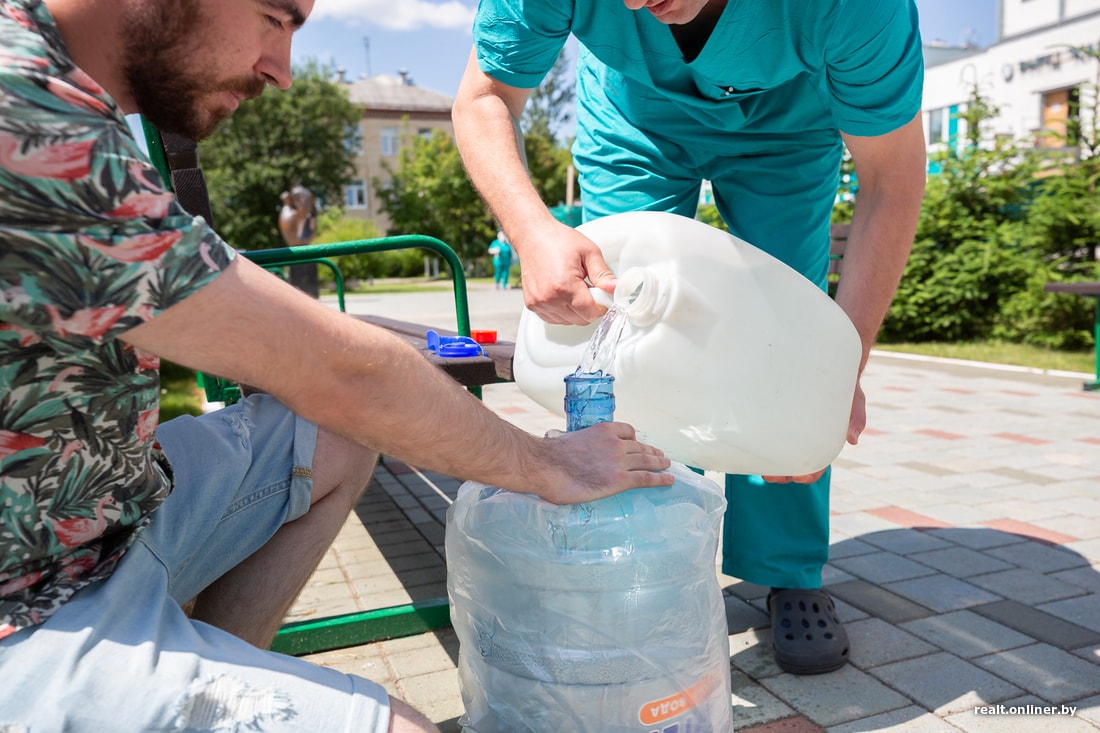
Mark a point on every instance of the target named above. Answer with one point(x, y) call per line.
point(108, 523)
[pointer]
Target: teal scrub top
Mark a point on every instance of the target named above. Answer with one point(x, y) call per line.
point(771, 69)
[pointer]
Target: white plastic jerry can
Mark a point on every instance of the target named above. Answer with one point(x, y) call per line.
point(729, 361)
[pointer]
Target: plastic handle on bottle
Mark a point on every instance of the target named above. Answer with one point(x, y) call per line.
point(602, 297)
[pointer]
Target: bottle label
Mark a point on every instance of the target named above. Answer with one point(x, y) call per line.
point(664, 711)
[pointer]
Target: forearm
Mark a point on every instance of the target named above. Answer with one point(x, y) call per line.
point(354, 379)
point(891, 170)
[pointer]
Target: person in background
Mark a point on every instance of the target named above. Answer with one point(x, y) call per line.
point(501, 252)
point(759, 97)
point(110, 523)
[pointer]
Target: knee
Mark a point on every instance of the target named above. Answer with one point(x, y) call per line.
point(341, 467)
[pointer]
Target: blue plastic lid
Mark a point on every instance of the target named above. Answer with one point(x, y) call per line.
point(452, 346)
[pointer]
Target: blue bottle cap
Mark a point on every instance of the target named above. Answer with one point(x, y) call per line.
point(452, 346)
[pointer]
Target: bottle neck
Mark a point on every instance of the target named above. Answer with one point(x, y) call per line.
point(589, 399)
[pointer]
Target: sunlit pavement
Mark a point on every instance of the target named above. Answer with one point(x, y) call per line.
point(965, 555)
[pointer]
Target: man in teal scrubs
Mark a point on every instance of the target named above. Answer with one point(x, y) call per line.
point(759, 97)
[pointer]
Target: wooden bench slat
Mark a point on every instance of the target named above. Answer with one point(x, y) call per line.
point(470, 371)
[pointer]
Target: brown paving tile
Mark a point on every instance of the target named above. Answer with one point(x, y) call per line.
point(1030, 530)
point(933, 433)
point(1016, 437)
point(906, 518)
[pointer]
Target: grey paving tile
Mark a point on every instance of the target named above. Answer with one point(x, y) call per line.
point(1052, 674)
point(977, 538)
point(1038, 624)
point(849, 548)
point(1082, 610)
point(1089, 709)
point(1084, 577)
point(875, 642)
point(752, 704)
point(912, 719)
point(879, 602)
point(960, 562)
point(944, 683)
point(1038, 556)
point(966, 634)
point(742, 616)
point(882, 567)
point(838, 697)
point(1026, 586)
point(905, 542)
point(942, 593)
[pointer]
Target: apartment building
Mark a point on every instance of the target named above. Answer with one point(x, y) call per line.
point(393, 108)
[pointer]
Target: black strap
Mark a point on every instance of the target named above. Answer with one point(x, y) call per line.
point(187, 179)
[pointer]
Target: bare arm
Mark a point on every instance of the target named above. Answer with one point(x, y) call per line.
point(556, 259)
point(364, 383)
point(891, 170)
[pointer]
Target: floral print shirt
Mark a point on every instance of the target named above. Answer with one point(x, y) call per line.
point(91, 245)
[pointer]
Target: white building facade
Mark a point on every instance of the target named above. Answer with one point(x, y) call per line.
point(1032, 73)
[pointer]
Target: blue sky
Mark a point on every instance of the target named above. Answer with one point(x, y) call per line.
point(431, 39)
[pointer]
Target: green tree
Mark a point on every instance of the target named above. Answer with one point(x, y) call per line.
point(550, 107)
point(966, 259)
point(548, 167)
point(430, 194)
point(304, 135)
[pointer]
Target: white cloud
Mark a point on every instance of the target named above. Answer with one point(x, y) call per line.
point(400, 15)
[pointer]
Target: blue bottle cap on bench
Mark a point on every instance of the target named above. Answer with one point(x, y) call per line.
point(452, 346)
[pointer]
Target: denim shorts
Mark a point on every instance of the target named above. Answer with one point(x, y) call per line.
point(121, 655)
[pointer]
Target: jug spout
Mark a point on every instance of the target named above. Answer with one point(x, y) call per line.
point(643, 293)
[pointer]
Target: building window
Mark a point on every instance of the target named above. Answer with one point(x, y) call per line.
point(1059, 117)
point(355, 195)
point(425, 132)
point(391, 140)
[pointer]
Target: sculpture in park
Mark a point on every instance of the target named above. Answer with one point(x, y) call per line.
point(298, 216)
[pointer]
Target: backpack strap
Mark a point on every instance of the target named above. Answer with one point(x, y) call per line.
point(187, 179)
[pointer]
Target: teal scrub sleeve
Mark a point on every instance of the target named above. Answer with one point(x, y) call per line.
point(517, 41)
point(875, 66)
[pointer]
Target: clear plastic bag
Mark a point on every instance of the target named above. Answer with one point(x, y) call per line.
point(603, 617)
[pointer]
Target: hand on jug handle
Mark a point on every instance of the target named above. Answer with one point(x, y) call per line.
point(857, 420)
point(557, 273)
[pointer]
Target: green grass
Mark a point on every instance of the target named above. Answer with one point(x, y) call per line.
point(179, 392)
point(1001, 353)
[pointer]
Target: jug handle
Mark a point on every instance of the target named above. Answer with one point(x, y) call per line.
point(602, 297)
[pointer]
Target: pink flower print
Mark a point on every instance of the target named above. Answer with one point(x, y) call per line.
point(70, 449)
point(204, 253)
point(147, 423)
point(63, 160)
point(26, 337)
point(19, 582)
point(146, 360)
point(64, 374)
point(143, 205)
point(76, 531)
point(139, 248)
point(12, 442)
point(76, 96)
point(92, 322)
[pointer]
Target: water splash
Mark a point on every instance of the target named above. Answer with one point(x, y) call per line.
point(600, 353)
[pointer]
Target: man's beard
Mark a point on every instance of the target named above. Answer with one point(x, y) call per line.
point(163, 68)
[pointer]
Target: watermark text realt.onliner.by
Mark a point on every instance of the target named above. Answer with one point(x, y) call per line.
point(1002, 709)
